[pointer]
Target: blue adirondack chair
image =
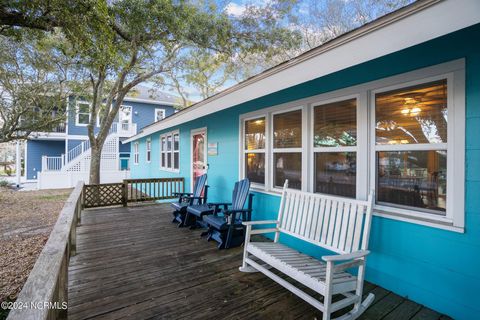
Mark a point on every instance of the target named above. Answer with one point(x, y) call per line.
point(188, 199)
point(225, 226)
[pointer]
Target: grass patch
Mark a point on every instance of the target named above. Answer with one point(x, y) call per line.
point(52, 197)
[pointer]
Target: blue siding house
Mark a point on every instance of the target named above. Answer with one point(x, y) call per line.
point(65, 151)
point(394, 107)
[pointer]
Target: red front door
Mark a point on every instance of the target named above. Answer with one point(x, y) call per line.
point(199, 166)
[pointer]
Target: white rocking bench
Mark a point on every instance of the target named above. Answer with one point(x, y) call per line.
point(333, 223)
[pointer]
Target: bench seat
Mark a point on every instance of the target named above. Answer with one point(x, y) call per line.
point(301, 267)
point(336, 224)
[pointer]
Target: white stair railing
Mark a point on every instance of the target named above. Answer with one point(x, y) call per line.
point(78, 158)
point(78, 150)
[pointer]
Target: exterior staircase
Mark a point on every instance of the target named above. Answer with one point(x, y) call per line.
point(75, 164)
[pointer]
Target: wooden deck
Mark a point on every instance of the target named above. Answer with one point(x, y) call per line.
point(133, 263)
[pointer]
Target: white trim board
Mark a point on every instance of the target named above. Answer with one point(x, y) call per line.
point(412, 25)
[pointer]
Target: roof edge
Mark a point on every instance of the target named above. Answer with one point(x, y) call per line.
point(341, 40)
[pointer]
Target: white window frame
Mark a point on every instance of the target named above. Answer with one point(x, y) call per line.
point(148, 150)
point(453, 71)
point(244, 151)
point(449, 146)
point(172, 151)
point(300, 150)
point(77, 113)
point(360, 139)
point(156, 114)
point(136, 154)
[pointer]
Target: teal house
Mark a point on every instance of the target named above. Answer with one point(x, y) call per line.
point(394, 107)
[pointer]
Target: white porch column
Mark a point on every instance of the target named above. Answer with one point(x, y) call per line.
point(18, 164)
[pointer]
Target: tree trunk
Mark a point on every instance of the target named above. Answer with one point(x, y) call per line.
point(96, 157)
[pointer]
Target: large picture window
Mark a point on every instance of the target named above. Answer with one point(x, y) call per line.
point(334, 146)
point(402, 137)
point(287, 149)
point(254, 150)
point(411, 146)
point(170, 151)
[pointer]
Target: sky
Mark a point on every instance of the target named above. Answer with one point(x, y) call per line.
point(317, 20)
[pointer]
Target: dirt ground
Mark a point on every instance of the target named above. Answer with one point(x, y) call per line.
point(26, 220)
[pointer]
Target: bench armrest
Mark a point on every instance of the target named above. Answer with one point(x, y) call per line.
point(346, 256)
point(252, 223)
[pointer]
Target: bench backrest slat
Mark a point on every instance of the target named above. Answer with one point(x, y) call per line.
point(336, 223)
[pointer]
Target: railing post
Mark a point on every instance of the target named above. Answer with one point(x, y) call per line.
point(44, 164)
point(63, 160)
point(62, 287)
point(83, 195)
point(125, 193)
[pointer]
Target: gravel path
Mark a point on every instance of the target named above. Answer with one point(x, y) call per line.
point(26, 220)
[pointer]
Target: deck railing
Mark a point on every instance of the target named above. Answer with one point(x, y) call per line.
point(131, 190)
point(152, 189)
point(44, 295)
point(53, 163)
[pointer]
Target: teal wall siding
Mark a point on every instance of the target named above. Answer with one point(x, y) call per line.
point(434, 267)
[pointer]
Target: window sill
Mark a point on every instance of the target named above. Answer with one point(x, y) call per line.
point(384, 212)
point(170, 170)
point(270, 192)
point(420, 218)
point(81, 124)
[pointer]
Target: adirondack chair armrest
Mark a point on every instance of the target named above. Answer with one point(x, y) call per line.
point(219, 204)
point(252, 223)
point(231, 211)
point(181, 193)
point(191, 198)
point(347, 256)
point(216, 205)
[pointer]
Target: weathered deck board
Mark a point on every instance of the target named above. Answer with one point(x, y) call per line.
point(133, 263)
